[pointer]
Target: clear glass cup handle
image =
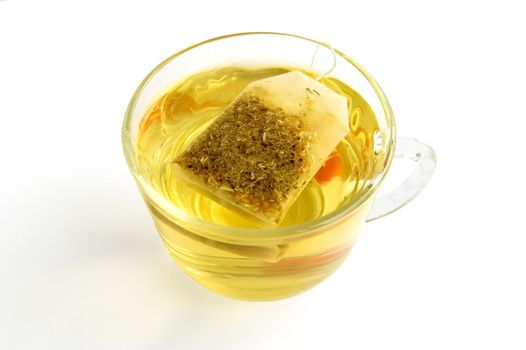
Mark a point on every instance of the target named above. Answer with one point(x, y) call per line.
point(425, 164)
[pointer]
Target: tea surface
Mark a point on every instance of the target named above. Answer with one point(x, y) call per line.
point(182, 112)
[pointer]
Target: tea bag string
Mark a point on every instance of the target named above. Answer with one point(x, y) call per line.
point(319, 77)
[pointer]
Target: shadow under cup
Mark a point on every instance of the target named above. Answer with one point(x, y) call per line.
point(259, 264)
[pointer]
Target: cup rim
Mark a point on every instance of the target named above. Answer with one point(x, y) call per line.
point(275, 232)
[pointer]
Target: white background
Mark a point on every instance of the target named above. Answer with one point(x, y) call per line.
point(81, 266)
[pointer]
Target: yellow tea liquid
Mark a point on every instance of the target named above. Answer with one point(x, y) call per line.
point(250, 270)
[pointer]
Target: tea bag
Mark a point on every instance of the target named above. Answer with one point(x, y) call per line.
point(258, 155)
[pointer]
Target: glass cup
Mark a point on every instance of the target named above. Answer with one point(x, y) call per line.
point(273, 263)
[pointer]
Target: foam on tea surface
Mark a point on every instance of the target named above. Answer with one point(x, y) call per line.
point(264, 148)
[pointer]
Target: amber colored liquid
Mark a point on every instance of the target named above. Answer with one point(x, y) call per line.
point(249, 269)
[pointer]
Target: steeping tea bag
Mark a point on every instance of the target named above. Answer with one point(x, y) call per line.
point(258, 155)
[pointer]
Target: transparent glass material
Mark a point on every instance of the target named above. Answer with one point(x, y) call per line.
point(425, 164)
point(271, 263)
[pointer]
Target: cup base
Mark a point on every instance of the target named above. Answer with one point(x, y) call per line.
point(259, 271)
